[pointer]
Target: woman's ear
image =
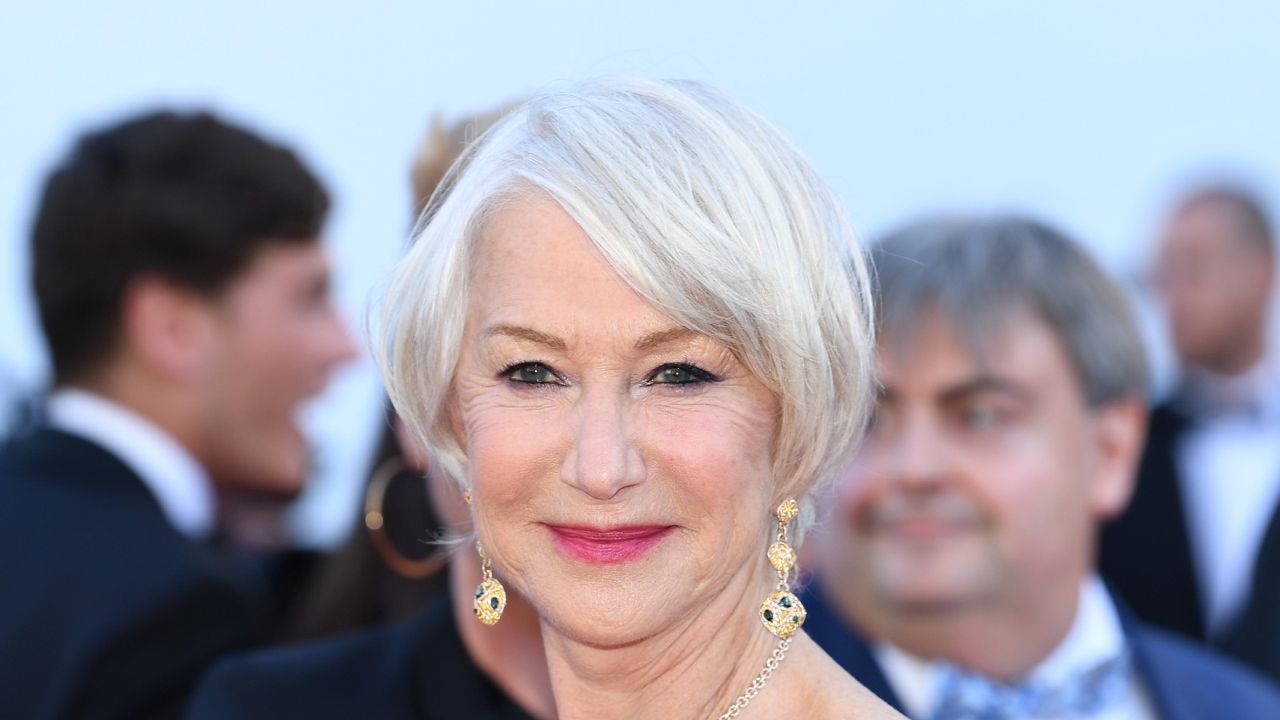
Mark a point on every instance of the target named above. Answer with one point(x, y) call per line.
point(1121, 431)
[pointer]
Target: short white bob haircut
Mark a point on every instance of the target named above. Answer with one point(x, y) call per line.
point(702, 207)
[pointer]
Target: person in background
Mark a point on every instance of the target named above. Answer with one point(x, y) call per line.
point(184, 295)
point(957, 578)
point(390, 566)
point(439, 664)
point(571, 338)
point(1199, 549)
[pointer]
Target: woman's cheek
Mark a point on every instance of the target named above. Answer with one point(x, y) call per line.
point(510, 449)
point(715, 458)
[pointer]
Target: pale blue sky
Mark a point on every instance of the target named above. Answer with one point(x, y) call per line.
point(1085, 112)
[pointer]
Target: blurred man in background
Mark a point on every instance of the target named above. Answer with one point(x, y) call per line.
point(390, 566)
point(1199, 549)
point(184, 295)
point(1009, 424)
point(426, 658)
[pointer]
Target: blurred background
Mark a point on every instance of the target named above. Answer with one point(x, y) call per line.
point(1090, 114)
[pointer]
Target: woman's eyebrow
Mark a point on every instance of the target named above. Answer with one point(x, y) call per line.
point(524, 333)
point(662, 337)
point(648, 342)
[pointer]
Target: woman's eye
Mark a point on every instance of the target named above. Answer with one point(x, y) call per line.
point(679, 374)
point(531, 373)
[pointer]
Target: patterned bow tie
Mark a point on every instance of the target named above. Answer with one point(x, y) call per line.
point(966, 696)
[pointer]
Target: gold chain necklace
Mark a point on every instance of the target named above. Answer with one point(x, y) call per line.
point(757, 683)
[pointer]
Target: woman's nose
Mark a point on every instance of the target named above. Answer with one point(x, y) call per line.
point(603, 459)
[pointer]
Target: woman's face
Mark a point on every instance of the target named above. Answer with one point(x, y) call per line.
point(621, 465)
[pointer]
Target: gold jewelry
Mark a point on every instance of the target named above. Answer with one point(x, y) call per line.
point(375, 522)
point(782, 612)
point(491, 597)
point(757, 683)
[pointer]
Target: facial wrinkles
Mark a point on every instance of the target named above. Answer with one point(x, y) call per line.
point(542, 424)
point(660, 416)
point(696, 458)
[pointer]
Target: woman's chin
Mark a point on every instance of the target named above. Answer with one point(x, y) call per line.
point(606, 613)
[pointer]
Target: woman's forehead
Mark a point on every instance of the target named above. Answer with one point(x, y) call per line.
point(532, 237)
point(537, 276)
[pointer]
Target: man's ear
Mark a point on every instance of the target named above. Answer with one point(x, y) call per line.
point(167, 328)
point(1121, 433)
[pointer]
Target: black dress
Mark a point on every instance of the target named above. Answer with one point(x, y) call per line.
point(417, 670)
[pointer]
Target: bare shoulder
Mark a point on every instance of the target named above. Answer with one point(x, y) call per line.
point(827, 692)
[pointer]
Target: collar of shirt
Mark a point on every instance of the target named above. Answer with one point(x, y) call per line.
point(1096, 636)
point(177, 481)
point(1254, 393)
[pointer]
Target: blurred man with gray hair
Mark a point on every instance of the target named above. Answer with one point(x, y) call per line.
point(956, 577)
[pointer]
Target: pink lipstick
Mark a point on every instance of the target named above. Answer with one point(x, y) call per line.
point(607, 545)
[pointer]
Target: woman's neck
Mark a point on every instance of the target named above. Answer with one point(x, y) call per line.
point(510, 653)
point(694, 669)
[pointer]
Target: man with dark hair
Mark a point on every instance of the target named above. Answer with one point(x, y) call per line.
point(1199, 549)
point(184, 295)
point(956, 578)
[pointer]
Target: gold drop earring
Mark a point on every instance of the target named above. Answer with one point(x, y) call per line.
point(491, 597)
point(781, 612)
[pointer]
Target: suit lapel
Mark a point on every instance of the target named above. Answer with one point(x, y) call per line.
point(1163, 690)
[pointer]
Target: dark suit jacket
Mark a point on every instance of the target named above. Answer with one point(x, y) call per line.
point(1185, 682)
point(107, 611)
point(1145, 556)
point(417, 670)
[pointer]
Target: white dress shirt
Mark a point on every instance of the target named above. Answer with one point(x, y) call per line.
point(1095, 636)
point(1229, 470)
point(179, 483)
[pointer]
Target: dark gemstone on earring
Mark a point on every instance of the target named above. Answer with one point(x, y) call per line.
point(493, 603)
point(795, 618)
point(768, 615)
point(479, 590)
point(785, 601)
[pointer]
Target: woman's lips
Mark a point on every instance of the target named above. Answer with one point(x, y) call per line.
point(607, 546)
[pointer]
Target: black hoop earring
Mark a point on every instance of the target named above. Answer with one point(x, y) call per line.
point(375, 522)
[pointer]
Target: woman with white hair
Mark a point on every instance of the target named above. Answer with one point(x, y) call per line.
point(635, 329)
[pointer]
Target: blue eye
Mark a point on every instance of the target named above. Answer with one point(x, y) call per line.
point(679, 374)
point(531, 373)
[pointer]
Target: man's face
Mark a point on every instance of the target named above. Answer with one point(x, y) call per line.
point(978, 482)
point(1215, 283)
point(276, 338)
